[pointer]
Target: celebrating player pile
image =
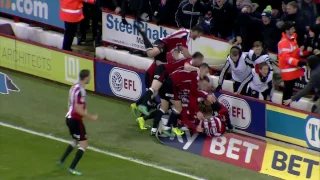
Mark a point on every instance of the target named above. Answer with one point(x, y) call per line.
point(77, 111)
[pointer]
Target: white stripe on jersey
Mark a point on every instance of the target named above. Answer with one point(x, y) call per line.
point(73, 94)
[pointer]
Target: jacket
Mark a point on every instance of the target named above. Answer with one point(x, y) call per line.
point(288, 56)
point(188, 15)
point(71, 10)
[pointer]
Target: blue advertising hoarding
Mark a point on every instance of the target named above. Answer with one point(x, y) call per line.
point(42, 11)
point(247, 115)
point(293, 127)
point(118, 82)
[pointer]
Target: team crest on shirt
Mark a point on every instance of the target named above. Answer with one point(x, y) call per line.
point(7, 85)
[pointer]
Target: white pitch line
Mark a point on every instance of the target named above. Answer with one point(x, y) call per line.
point(104, 152)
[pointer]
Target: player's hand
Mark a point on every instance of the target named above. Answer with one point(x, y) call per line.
point(199, 129)
point(198, 70)
point(211, 98)
point(94, 117)
point(316, 51)
point(287, 102)
point(200, 116)
point(268, 98)
point(309, 49)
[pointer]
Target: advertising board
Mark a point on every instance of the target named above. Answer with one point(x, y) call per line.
point(293, 127)
point(118, 82)
point(43, 62)
point(42, 11)
point(245, 114)
point(289, 163)
point(115, 32)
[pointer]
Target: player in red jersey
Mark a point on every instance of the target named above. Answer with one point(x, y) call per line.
point(169, 93)
point(178, 38)
point(77, 111)
point(212, 126)
point(163, 71)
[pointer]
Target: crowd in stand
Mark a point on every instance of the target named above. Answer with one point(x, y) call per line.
point(238, 21)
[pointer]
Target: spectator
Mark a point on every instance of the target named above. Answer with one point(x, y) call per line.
point(164, 10)
point(312, 39)
point(299, 19)
point(188, 13)
point(223, 14)
point(71, 13)
point(289, 59)
point(248, 29)
point(313, 84)
point(259, 55)
point(309, 8)
point(260, 82)
point(271, 33)
point(240, 70)
point(121, 6)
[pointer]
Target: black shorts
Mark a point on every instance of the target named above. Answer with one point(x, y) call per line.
point(163, 50)
point(161, 73)
point(77, 129)
point(167, 90)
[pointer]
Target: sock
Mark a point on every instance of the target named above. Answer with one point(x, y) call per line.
point(147, 96)
point(66, 153)
point(173, 119)
point(158, 115)
point(146, 41)
point(77, 158)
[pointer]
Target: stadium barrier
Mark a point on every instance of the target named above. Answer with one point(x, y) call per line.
point(257, 155)
point(39, 11)
point(43, 61)
point(247, 114)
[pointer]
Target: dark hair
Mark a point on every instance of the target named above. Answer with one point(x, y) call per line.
point(84, 73)
point(257, 44)
point(197, 55)
point(197, 28)
point(235, 50)
point(287, 26)
point(207, 110)
point(204, 65)
point(261, 65)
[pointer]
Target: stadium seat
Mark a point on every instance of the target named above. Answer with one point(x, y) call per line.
point(21, 30)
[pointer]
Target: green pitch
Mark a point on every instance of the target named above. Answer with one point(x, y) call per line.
point(41, 106)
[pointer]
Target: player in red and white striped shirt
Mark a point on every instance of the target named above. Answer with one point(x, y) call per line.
point(77, 111)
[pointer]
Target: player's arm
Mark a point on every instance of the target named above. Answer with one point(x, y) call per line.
point(188, 67)
point(79, 106)
point(186, 52)
point(223, 73)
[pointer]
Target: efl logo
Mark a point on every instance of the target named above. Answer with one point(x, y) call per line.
point(72, 69)
point(29, 7)
point(313, 132)
point(125, 83)
point(239, 110)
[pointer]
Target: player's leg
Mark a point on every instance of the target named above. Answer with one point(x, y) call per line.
point(164, 105)
point(173, 118)
point(159, 76)
point(71, 146)
point(151, 51)
point(83, 144)
point(148, 80)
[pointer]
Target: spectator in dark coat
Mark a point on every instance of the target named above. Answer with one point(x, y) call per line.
point(300, 20)
point(313, 84)
point(164, 10)
point(188, 13)
point(312, 40)
point(224, 15)
point(248, 29)
point(309, 8)
point(271, 33)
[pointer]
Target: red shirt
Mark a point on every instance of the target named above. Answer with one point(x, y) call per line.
point(177, 65)
point(77, 95)
point(181, 76)
point(213, 127)
point(178, 38)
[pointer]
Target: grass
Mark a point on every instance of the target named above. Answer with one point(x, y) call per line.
point(41, 106)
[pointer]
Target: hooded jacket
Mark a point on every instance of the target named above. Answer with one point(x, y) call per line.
point(314, 82)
